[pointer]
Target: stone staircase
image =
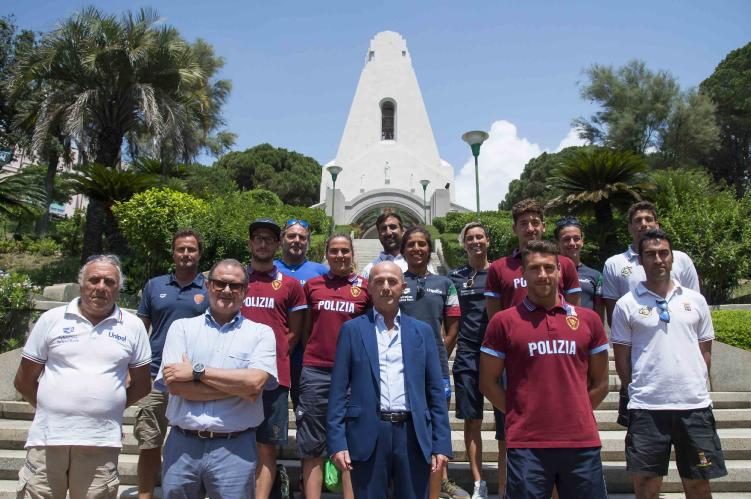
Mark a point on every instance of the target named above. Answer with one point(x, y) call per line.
point(366, 250)
point(732, 412)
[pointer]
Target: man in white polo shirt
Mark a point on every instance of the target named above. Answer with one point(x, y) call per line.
point(623, 272)
point(86, 350)
point(662, 339)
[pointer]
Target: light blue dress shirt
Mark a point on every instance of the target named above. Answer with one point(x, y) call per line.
point(391, 365)
point(238, 344)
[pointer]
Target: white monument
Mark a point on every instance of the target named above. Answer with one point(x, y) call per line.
point(387, 146)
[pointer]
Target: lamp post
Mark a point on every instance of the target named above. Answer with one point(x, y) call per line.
point(334, 171)
point(475, 140)
point(424, 184)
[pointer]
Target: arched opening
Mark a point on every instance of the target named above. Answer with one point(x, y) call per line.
point(388, 120)
point(365, 222)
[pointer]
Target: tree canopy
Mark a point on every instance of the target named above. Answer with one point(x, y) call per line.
point(295, 178)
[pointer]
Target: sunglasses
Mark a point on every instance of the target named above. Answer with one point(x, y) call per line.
point(293, 221)
point(565, 222)
point(420, 287)
point(219, 285)
point(664, 313)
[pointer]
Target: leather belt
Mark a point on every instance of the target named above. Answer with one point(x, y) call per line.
point(211, 434)
point(395, 417)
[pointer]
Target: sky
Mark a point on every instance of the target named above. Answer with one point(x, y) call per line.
point(513, 69)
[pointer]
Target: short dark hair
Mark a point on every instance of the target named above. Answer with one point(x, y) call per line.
point(544, 247)
point(566, 222)
point(416, 230)
point(526, 206)
point(383, 216)
point(641, 206)
point(653, 234)
point(188, 232)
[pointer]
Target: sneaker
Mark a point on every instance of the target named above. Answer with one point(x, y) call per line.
point(481, 490)
point(450, 490)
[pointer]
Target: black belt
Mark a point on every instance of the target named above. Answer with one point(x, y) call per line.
point(395, 417)
point(211, 434)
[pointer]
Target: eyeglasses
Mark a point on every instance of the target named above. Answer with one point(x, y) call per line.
point(664, 313)
point(293, 221)
point(420, 287)
point(219, 285)
point(263, 239)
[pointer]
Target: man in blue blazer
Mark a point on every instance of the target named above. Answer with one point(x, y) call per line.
point(387, 415)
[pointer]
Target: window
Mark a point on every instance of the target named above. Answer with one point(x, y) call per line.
point(388, 116)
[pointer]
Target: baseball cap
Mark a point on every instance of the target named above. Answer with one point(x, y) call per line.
point(265, 223)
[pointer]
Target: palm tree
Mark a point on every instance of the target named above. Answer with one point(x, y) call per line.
point(599, 179)
point(20, 194)
point(105, 78)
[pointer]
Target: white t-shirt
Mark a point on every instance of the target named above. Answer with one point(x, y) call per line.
point(81, 395)
point(668, 371)
point(622, 273)
point(387, 257)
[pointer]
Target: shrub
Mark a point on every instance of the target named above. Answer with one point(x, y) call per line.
point(10, 246)
point(69, 233)
point(16, 309)
point(733, 327)
point(45, 246)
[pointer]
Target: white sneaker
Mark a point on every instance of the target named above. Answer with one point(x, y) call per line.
point(481, 490)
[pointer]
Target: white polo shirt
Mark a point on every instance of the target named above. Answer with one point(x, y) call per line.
point(81, 395)
point(668, 371)
point(622, 273)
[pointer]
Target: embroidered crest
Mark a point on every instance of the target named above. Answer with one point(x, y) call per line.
point(355, 291)
point(703, 460)
point(686, 306)
point(198, 299)
point(276, 285)
point(626, 271)
point(162, 295)
point(573, 322)
point(645, 311)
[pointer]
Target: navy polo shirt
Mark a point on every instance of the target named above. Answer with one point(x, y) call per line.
point(163, 301)
point(590, 281)
point(474, 318)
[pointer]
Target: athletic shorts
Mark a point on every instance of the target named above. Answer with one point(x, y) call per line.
point(273, 429)
point(150, 428)
point(698, 452)
point(576, 473)
point(311, 411)
point(500, 424)
point(469, 400)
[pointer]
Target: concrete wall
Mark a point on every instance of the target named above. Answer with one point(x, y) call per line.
point(731, 369)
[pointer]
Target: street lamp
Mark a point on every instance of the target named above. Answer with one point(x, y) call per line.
point(334, 171)
point(475, 140)
point(424, 184)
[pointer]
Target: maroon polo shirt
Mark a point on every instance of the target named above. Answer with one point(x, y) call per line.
point(505, 279)
point(332, 300)
point(271, 297)
point(546, 355)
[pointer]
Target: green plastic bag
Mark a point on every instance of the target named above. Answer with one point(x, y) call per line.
point(332, 477)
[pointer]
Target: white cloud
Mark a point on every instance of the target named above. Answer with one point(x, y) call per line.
point(502, 159)
point(571, 139)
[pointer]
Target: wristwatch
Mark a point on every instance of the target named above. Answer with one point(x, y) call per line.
point(198, 370)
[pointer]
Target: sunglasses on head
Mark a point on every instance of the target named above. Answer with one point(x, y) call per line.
point(566, 221)
point(293, 221)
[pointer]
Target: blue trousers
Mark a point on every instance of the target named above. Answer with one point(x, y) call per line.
point(220, 468)
point(398, 458)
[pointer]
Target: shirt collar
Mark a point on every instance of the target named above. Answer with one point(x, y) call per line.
point(293, 268)
point(388, 257)
point(231, 323)
point(380, 322)
point(516, 253)
point(273, 273)
point(567, 307)
point(353, 278)
point(641, 290)
point(197, 280)
point(630, 253)
point(74, 308)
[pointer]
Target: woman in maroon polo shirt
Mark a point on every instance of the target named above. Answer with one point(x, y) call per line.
point(333, 299)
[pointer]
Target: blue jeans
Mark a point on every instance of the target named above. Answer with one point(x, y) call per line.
point(218, 467)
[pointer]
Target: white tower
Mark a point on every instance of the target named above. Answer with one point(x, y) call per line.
point(387, 146)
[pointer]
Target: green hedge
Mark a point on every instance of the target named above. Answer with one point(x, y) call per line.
point(733, 327)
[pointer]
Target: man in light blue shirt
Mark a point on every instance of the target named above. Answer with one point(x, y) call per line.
point(391, 364)
point(215, 367)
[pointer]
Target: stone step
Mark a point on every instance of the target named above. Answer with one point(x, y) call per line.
point(738, 480)
point(736, 443)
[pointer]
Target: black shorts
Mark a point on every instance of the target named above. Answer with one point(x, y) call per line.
point(500, 424)
point(273, 430)
point(469, 400)
point(576, 473)
point(698, 452)
point(311, 411)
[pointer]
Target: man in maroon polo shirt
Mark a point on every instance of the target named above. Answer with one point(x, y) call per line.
point(556, 361)
point(277, 301)
point(505, 287)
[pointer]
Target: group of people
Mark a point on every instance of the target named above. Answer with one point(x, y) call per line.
point(364, 359)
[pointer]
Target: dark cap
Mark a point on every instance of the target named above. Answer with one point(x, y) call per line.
point(265, 223)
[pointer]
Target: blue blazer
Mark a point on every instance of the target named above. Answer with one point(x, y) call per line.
point(354, 397)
